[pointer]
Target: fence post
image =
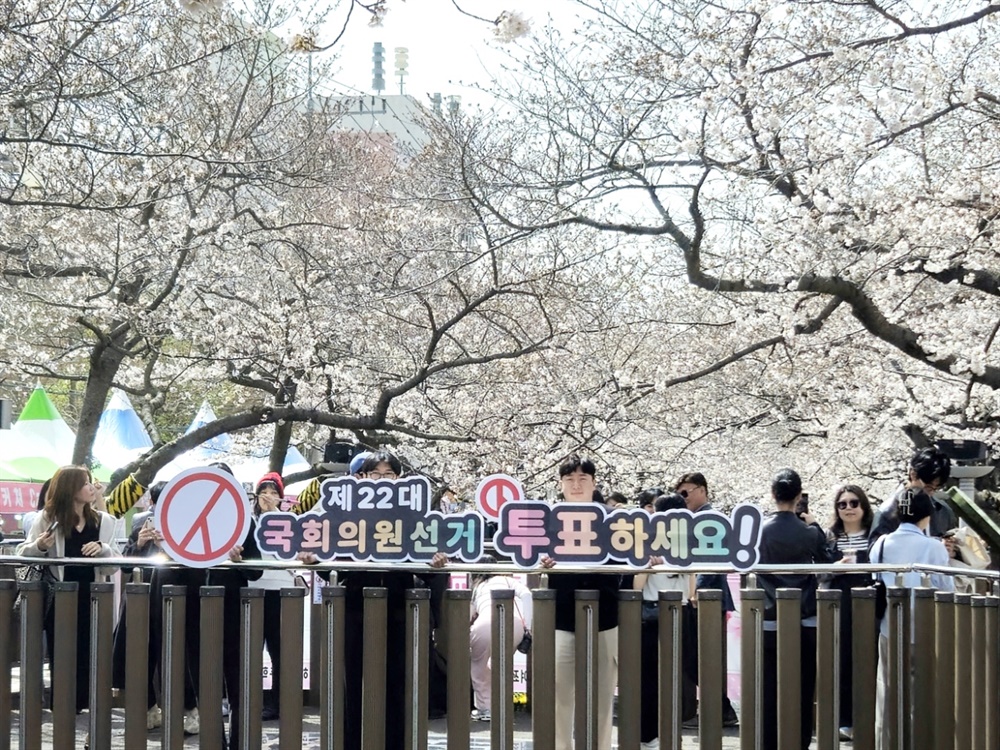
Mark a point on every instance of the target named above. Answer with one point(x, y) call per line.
point(828, 675)
point(211, 614)
point(172, 665)
point(543, 669)
point(896, 706)
point(751, 667)
point(925, 669)
point(587, 671)
point(8, 590)
point(992, 659)
point(789, 606)
point(418, 639)
point(373, 685)
point(502, 669)
point(101, 635)
point(136, 664)
point(456, 616)
point(331, 686)
point(961, 660)
point(290, 679)
point(864, 665)
point(629, 668)
point(978, 675)
point(29, 732)
point(251, 701)
point(670, 620)
point(711, 670)
point(944, 655)
point(63, 664)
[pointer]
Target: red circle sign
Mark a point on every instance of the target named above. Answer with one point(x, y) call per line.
point(202, 514)
point(494, 491)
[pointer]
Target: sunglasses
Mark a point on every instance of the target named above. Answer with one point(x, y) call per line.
point(844, 504)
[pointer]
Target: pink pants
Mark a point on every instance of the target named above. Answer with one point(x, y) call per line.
point(480, 647)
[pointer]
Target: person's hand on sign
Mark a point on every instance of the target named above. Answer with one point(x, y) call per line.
point(236, 554)
point(309, 558)
point(655, 560)
point(439, 560)
point(547, 562)
point(92, 549)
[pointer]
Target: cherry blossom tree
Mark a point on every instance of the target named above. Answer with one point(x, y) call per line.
point(814, 183)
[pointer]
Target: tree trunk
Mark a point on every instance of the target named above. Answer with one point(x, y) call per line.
point(105, 361)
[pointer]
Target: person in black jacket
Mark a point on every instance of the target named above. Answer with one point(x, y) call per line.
point(577, 479)
point(787, 539)
point(379, 466)
point(693, 487)
point(232, 579)
point(929, 470)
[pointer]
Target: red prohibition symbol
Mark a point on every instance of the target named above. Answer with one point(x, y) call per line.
point(494, 491)
point(202, 514)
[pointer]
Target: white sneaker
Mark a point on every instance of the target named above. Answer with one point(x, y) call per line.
point(154, 718)
point(651, 745)
point(191, 722)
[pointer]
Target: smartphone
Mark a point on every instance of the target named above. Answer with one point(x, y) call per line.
point(53, 527)
point(802, 506)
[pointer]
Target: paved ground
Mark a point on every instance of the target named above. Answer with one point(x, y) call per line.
point(437, 738)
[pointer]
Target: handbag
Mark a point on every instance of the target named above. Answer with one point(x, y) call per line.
point(525, 645)
point(30, 574)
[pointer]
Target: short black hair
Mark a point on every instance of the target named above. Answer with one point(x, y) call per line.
point(931, 465)
point(381, 457)
point(618, 497)
point(669, 501)
point(574, 462)
point(786, 485)
point(914, 505)
point(648, 497)
point(154, 492)
point(692, 477)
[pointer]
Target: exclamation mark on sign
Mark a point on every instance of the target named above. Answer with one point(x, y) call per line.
point(747, 520)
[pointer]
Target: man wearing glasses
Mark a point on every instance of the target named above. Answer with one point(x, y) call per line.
point(693, 487)
point(929, 470)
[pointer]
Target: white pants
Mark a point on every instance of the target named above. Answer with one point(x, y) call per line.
point(607, 679)
point(481, 645)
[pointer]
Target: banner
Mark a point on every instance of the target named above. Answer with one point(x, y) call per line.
point(390, 521)
point(373, 521)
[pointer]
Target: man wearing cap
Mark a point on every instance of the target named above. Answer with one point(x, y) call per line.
point(693, 487)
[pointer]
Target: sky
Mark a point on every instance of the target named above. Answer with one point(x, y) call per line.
point(448, 52)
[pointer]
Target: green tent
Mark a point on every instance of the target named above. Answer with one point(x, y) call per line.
point(38, 443)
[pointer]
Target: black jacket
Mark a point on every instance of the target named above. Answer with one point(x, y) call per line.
point(786, 540)
point(886, 519)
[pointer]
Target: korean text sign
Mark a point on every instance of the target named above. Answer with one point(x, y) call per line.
point(584, 533)
point(366, 520)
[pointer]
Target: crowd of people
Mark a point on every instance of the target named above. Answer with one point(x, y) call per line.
point(76, 520)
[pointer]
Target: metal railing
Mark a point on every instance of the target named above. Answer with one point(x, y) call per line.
point(943, 662)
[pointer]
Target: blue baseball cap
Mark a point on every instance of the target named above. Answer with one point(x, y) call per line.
point(357, 461)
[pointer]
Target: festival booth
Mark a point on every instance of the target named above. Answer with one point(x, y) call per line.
point(121, 436)
point(37, 444)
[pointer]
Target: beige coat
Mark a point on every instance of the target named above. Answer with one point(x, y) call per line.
point(109, 547)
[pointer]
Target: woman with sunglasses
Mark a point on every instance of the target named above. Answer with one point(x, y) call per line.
point(848, 539)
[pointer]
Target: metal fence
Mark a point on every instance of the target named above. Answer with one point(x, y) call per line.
point(943, 690)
